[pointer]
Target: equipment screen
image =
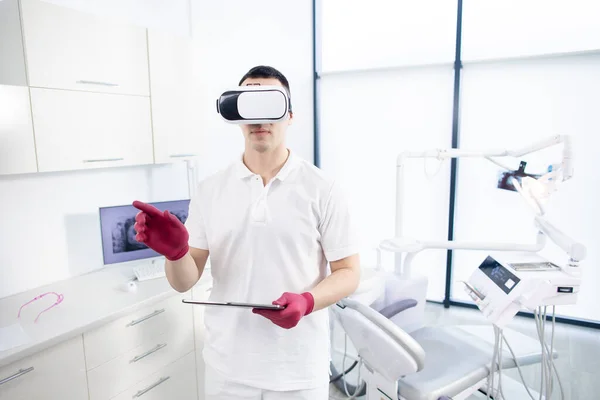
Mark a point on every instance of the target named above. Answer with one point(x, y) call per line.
point(501, 276)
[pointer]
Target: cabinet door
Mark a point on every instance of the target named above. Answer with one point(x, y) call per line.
point(81, 130)
point(12, 66)
point(56, 373)
point(17, 149)
point(175, 111)
point(68, 49)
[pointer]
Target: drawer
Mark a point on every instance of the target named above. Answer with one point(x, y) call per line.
point(52, 374)
point(115, 376)
point(137, 329)
point(175, 381)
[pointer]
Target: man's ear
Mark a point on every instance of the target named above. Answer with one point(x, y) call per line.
point(291, 118)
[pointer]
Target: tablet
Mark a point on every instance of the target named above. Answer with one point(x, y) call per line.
point(234, 304)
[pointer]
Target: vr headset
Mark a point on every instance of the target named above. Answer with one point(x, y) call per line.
point(254, 104)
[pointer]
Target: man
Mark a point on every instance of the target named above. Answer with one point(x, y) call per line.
point(270, 222)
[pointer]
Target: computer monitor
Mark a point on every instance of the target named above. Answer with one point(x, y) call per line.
point(118, 233)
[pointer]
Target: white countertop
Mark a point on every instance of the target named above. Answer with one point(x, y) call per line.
point(90, 300)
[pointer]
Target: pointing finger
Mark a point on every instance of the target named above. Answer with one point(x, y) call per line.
point(147, 208)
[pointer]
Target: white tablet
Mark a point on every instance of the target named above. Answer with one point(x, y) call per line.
point(234, 304)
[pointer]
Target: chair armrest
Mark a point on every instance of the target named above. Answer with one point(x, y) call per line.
point(397, 307)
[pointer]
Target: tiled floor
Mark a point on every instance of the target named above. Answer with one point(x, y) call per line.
point(579, 353)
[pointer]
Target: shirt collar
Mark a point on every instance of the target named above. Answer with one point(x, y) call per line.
point(243, 172)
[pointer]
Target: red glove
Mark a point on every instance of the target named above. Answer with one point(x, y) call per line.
point(161, 231)
point(296, 307)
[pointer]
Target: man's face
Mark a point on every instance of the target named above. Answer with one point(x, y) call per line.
point(265, 137)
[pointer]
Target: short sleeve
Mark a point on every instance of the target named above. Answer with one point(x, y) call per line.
point(195, 226)
point(339, 238)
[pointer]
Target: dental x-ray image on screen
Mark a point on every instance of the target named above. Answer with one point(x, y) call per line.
point(118, 233)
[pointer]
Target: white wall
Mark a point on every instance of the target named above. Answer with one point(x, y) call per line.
point(50, 229)
point(235, 35)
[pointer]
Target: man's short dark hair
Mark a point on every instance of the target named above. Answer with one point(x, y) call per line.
point(264, 71)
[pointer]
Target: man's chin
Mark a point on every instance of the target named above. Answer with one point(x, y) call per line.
point(260, 147)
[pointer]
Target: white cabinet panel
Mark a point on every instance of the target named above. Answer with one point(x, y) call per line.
point(137, 329)
point(12, 67)
point(56, 373)
point(175, 381)
point(68, 49)
point(17, 148)
point(175, 107)
point(80, 130)
point(115, 376)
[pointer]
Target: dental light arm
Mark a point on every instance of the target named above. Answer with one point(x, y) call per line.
point(402, 244)
point(576, 251)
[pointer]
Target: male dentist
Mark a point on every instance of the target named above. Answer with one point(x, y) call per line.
point(271, 222)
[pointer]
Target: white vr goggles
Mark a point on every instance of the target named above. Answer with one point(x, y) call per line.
point(254, 104)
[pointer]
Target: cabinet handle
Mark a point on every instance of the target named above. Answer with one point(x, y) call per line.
point(142, 319)
point(149, 388)
point(16, 375)
point(103, 160)
point(98, 83)
point(183, 155)
point(146, 354)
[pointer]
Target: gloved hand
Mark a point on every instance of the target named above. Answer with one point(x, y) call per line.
point(296, 307)
point(161, 231)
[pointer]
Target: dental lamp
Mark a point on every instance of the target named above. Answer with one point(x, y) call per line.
point(534, 188)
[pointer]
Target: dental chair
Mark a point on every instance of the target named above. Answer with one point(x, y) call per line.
point(431, 363)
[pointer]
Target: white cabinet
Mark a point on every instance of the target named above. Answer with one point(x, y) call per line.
point(12, 66)
point(80, 130)
point(68, 49)
point(118, 374)
point(175, 381)
point(174, 90)
point(17, 148)
point(137, 329)
point(56, 373)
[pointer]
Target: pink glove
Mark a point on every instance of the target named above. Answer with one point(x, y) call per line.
point(296, 307)
point(161, 231)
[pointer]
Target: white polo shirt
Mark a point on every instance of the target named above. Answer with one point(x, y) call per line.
point(265, 240)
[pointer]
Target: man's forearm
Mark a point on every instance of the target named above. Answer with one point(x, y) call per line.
point(341, 283)
point(183, 273)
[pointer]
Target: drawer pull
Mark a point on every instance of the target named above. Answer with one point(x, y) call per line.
point(98, 83)
point(16, 375)
point(149, 388)
point(146, 354)
point(183, 155)
point(103, 160)
point(142, 319)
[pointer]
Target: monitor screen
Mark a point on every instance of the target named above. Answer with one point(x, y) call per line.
point(118, 234)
